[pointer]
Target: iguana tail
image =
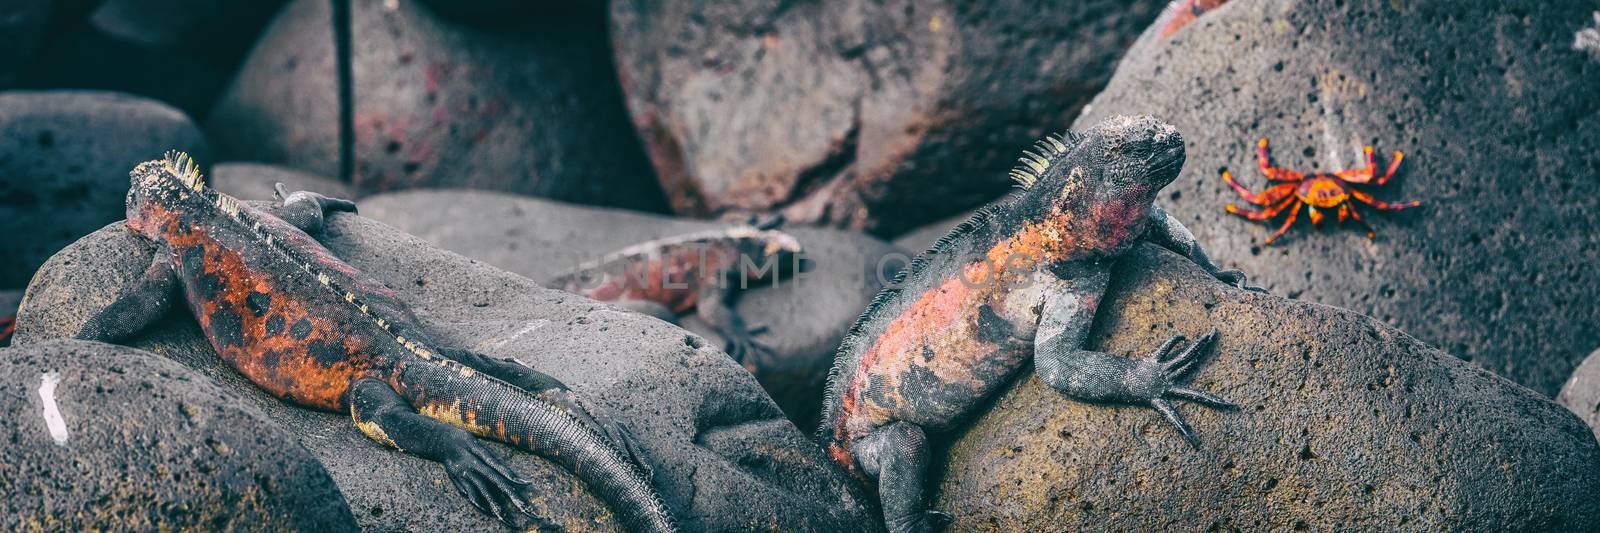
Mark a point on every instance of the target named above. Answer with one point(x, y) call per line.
point(487, 407)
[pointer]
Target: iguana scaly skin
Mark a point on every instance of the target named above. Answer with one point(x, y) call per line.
point(698, 271)
point(309, 328)
point(1018, 281)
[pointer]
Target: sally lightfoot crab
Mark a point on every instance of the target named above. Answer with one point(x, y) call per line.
point(1317, 191)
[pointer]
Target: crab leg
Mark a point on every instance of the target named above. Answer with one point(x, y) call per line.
point(1262, 214)
point(1272, 194)
point(1363, 174)
point(1288, 222)
point(1387, 206)
point(1357, 215)
point(1274, 173)
point(1394, 164)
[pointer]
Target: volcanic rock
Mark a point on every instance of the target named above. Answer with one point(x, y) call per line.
point(874, 115)
point(108, 438)
point(1346, 423)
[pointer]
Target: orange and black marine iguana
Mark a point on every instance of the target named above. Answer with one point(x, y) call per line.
point(309, 328)
point(1019, 281)
point(700, 271)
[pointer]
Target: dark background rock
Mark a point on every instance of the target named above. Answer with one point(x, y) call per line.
point(531, 108)
point(181, 52)
point(220, 28)
point(253, 181)
point(1496, 114)
point(502, 13)
point(806, 317)
point(859, 114)
point(724, 456)
point(64, 162)
point(1346, 424)
point(22, 27)
point(150, 445)
point(1581, 394)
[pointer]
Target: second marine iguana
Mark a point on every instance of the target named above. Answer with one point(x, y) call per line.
point(309, 328)
point(1021, 280)
point(700, 271)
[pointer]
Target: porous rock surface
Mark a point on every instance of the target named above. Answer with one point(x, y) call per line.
point(874, 115)
point(1496, 114)
point(147, 444)
point(725, 458)
point(64, 161)
point(531, 107)
point(1346, 423)
point(806, 317)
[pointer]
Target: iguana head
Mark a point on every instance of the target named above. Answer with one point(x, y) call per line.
point(1098, 185)
point(163, 188)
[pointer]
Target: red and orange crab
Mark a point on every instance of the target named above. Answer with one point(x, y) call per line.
point(1318, 191)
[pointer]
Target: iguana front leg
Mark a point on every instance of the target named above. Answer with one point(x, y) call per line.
point(481, 476)
point(305, 209)
point(1165, 230)
point(140, 305)
point(1061, 362)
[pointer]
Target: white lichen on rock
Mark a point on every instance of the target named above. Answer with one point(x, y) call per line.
point(1588, 39)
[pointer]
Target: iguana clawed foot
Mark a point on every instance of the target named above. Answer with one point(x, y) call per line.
point(1153, 380)
point(485, 480)
point(750, 353)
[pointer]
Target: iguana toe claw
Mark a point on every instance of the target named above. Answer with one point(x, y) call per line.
point(1184, 362)
point(1202, 398)
point(1165, 349)
point(1176, 419)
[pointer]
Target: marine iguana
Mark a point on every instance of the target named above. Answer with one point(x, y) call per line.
point(700, 271)
point(312, 330)
point(1019, 280)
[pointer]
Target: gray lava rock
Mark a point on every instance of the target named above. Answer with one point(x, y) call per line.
point(254, 181)
point(147, 444)
point(1581, 394)
point(532, 108)
point(64, 161)
point(724, 456)
point(1496, 114)
point(806, 316)
point(22, 27)
point(1346, 424)
point(881, 116)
